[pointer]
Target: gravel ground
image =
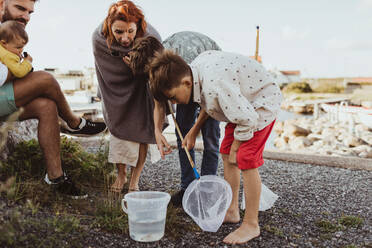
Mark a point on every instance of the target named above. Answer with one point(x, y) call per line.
point(307, 194)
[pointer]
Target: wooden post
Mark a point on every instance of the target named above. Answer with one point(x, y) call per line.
point(316, 111)
point(257, 41)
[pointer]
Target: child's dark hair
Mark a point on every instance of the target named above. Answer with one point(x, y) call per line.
point(142, 53)
point(166, 72)
point(11, 30)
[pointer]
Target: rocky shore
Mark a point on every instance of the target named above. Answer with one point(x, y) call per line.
point(323, 137)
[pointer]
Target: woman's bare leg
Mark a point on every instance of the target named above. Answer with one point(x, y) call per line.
point(136, 171)
point(121, 179)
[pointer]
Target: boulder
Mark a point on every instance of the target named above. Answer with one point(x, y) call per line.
point(352, 141)
point(280, 143)
point(296, 130)
point(363, 151)
point(299, 143)
point(366, 137)
point(314, 137)
point(20, 131)
point(278, 127)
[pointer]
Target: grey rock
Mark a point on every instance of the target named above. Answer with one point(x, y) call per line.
point(20, 131)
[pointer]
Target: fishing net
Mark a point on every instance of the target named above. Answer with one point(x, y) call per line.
point(206, 201)
point(267, 199)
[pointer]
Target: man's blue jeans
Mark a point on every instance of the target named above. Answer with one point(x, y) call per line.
point(186, 116)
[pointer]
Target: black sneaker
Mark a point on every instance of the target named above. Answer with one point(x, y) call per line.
point(176, 198)
point(86, 128)
point(65, 186)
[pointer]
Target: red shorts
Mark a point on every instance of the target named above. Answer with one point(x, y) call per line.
point(249, 155)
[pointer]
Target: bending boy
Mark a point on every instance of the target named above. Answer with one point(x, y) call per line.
point(231, 88)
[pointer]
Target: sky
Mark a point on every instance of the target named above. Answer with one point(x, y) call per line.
point(331, 38)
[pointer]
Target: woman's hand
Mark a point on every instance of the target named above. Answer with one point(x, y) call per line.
point(233, 151)
point(126, 60)
point(161, 142)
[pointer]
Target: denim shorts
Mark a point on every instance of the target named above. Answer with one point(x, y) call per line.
point(7, 103)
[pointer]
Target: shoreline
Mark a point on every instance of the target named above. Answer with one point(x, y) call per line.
point(352, 162)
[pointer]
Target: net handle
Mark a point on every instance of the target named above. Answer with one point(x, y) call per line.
point(181, 137)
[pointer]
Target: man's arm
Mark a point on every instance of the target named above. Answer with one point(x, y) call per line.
point(190, 138)
point(161, 141)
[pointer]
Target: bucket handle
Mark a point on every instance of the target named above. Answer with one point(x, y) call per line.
point(123, 206)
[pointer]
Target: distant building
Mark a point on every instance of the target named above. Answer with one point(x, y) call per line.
point(73, 80)
point(286, 77)
point(364, 83)
point(293, 76)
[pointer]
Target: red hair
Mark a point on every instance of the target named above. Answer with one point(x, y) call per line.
point(126, 11)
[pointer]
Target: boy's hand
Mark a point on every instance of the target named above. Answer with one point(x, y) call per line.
point(189, 140)
point(161, 142)
point(233, 151)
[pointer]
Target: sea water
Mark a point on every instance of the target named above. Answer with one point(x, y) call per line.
point(147, 230)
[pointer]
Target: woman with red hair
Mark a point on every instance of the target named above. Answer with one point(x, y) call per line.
point(126, 99)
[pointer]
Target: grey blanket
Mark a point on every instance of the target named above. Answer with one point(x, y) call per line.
point(127, 101)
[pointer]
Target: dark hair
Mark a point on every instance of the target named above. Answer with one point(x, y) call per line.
point(11, 30)
point(142, 53)
point(126, 11)
point(166, 72)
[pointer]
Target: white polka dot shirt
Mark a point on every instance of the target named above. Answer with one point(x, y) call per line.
point(234, 88)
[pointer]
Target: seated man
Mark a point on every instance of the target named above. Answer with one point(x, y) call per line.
point(40, 97)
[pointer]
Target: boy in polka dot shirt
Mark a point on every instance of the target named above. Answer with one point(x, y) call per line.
point(235, 89)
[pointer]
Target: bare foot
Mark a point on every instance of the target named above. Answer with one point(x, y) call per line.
point(232, 217)
point(243, 234)
point(118, 185)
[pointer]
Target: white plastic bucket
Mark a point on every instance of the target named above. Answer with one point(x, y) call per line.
point(147, 211)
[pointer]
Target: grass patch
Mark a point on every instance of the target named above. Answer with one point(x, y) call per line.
point(27, 167)
point(351, 221)
point(110, 217)
point(177, 220)
point(299, 87)
point(17, 231)
point(342, 223)
point(327, 226)
point(329, 88)
point(274, 230)
point(26, 162)
point(325, 236)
